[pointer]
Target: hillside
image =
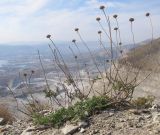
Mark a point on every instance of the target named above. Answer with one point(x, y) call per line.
point(145, 56)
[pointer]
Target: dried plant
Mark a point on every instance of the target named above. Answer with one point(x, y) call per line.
point(6, 114)
point(119, 32)
point(118, 79)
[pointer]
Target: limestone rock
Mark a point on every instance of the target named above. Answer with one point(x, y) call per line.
point(83, 124)
point(28, 131)
point(82, 130)
point(155, 108)
point(69, 129)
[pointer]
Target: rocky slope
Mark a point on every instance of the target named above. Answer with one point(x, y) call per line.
point(146, 56)
point(109, 122)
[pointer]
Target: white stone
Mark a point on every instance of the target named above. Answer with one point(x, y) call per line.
point(83, 124)
point(28, 131)
point(44, 112)
point(156, 117)
point(69, 129)
point(82, 130)
point(8, 126)
point(154, 108)
point(148, 116)
point(111, 114)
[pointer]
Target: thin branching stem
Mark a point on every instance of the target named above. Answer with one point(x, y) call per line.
point(92, 57)
point(110, 32)
point(44, 72)
point(119, 32)
point(117, 47)
point(78, 67)
point(152, 30)
point(47, 84)
point(133, 38)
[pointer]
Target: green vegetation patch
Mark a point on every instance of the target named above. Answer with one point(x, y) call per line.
point(79, 111)
point(143, 102)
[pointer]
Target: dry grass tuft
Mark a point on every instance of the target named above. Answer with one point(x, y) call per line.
point(36, 106)
point(6, 115)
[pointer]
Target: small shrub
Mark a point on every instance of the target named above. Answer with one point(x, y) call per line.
point(118, 85)
point(143, 102)
point(6, 114)
point(81, 110)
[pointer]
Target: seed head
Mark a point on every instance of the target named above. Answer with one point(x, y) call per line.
point(25, 74)
point(121, 51)
point(147, 14)
point(116, 28)
point(48, 36)
point(115, 16)
point(32, 71)
point(107, 61)
point(131, 19)
point(99, 32)
point(74, 41)
point(102, 7)
point(98, 19)
point(76, 29)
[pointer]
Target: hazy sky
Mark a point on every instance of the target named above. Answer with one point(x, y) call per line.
point(32, 20)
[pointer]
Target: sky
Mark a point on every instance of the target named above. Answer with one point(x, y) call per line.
point(31, 20)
